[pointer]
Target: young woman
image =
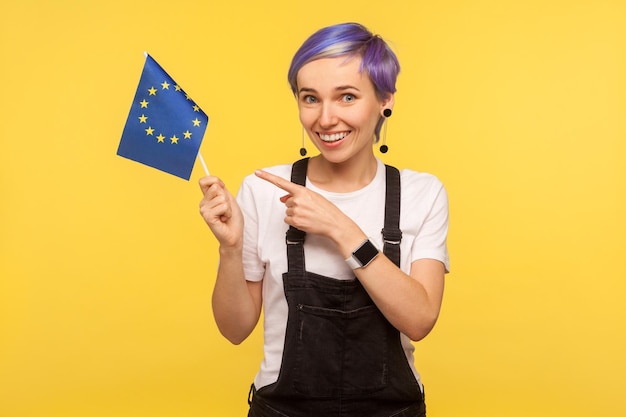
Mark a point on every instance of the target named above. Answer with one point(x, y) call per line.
point(346, 255)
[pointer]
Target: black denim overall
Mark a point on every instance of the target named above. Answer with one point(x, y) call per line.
point(341, 356)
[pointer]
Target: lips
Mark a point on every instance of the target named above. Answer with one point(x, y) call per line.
point(332, 137)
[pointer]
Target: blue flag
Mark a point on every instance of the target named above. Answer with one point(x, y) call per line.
point(165, 127)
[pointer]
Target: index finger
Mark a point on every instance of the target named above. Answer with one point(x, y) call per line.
point(280, 182)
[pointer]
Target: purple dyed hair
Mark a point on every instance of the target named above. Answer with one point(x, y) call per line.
point(351, 39)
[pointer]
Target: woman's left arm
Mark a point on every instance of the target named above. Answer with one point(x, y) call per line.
point(410, 302)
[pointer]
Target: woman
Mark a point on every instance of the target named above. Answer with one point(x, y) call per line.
point(339, 314)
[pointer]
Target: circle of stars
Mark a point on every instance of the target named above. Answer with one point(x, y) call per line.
point(150, 131)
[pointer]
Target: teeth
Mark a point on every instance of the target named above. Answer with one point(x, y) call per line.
point(334, 137)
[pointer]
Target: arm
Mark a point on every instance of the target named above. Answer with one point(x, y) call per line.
point(236, 302)
point(411, 302)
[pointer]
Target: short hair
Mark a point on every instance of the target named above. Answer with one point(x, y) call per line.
point(350, 39)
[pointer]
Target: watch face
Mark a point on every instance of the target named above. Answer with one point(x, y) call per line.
point(366, 253)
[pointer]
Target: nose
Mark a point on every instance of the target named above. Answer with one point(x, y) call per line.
point(328, 116)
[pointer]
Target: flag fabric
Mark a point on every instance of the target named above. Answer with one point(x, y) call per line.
point(165, 126)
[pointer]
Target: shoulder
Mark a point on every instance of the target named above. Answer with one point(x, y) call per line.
point(421, 182)
point(422, 192)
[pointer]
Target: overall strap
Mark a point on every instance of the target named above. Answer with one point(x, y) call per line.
point(295, 237)
point(392, 235)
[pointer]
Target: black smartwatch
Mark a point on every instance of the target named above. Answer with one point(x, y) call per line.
point(363, 255)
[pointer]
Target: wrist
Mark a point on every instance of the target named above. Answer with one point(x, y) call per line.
point(362, 255)
point(347, 238)
point(231, 250)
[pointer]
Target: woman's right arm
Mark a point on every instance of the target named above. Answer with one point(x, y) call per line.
point(236, 302)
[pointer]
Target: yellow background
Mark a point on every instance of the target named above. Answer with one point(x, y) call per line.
point(107, 269)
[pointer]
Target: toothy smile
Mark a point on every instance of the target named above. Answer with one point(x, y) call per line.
point(334, 137)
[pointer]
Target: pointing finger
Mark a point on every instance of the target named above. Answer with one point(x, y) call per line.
point(282, 183)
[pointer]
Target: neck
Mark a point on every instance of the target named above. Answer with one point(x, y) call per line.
point(342, 177)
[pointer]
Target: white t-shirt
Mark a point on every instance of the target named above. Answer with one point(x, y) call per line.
point(423, 221)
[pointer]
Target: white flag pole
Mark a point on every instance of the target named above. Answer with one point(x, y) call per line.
point(206, 170)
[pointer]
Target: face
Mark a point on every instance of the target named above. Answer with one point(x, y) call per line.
point(339, 107)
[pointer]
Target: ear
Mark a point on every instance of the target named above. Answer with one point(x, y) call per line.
point(387, 102)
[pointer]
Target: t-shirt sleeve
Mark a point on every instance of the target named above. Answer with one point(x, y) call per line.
point(253, 267)
point(431, 239)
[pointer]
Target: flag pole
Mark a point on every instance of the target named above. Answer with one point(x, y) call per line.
point(206, 170)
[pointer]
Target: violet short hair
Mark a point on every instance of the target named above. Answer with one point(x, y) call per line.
point(350, 39)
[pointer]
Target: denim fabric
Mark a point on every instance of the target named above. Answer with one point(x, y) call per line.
point(341, 356)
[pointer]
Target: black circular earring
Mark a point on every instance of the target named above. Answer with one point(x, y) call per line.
point(302, 149)
point(384, 148)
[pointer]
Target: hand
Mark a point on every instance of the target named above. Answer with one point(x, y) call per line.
point(221, 212)
point(308, 210)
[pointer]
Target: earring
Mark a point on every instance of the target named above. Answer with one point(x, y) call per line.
point(384, 148)
point(302, 149)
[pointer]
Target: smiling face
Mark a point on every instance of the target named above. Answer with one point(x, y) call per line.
point(339, 108)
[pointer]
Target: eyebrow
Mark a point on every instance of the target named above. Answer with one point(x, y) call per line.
point(346, 87)
point(339, 88)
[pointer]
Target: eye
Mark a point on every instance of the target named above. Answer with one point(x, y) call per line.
point(308, 99)
point(348, 98)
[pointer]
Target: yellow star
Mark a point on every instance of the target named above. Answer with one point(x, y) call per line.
point(174, 139)
point(152, 91)
point(144, 104)
point(177, 87)
point(165, 85)
point(160, 138)
point(143, 118)
point(187, 134)
point(196, 108)
point(196, 122)
point(187, 96)
point(149, 131)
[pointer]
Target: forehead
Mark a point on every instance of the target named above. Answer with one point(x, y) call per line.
point(333, 72)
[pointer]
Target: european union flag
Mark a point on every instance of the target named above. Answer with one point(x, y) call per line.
point(165, 127)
